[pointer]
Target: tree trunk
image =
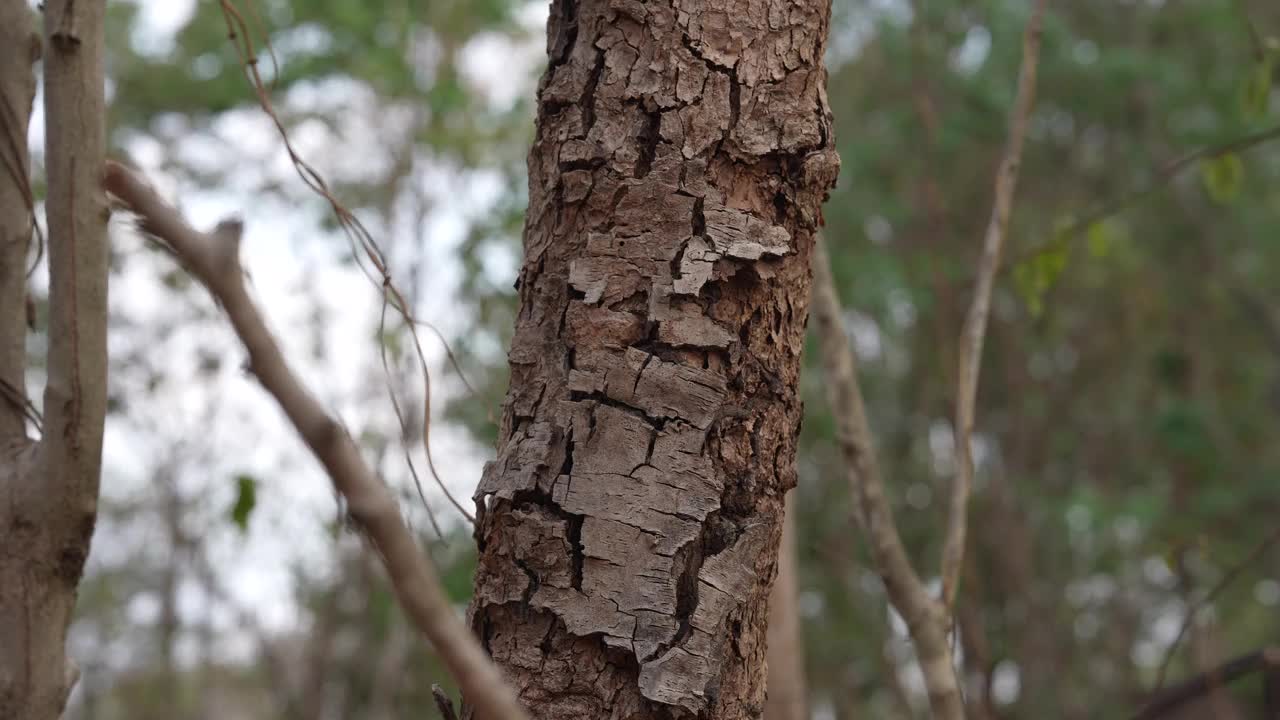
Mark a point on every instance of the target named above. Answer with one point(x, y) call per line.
point(49, 489)
point(787, 689)
point(19, 49)
point(629, 526)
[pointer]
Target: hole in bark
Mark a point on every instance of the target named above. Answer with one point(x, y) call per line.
point(574, 531)
point(587, 164)
point(545, 645)
point(551, 108)
point(648, 139)
point(73, 555)
point(486, 630)
point(534, 582)
point(689, 559)
point(588, 101)
point(566, 468)
point(566, 31)
point(735, 102)
point(780, 207)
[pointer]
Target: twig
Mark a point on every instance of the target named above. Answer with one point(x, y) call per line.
point(1255, 40)
point(923, 615)
point(975, 325)
point(1230, 576)
point(1161, 703)
point(213, 258)
point(22, 404)
point(443, 703)
point(1162, 177)
point(241, 36)
point(395, 405)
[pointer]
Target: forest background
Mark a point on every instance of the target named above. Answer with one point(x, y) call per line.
point(1125, 449)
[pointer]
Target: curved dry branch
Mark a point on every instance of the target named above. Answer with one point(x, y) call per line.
point(1229, 577)
point(975, 325)
point(924, 616)
point(213, 258)
point(241, 32)
point(1161, 177)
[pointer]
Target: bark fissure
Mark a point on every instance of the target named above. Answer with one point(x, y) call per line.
point(629, 522)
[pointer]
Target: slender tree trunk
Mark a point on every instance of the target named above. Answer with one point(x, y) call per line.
point(49, 490)
point(787, 689)
point(629, 526)
point(19, 49)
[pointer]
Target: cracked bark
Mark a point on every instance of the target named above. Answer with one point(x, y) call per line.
point(629, 525)
point(49, 489)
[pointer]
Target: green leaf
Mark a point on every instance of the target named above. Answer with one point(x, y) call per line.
point(1099, 236)
point(246, 500)
point(1036, 275)
point(1256, 94)
point(1223, 177)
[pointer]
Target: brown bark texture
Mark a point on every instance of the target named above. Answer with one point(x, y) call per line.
point(49, 489)
point(629, 525)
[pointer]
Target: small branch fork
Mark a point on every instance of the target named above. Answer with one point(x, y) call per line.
point(927, 618)
point(213, 258)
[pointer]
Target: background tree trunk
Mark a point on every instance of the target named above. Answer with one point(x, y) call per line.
point(629, 525)
point(49, 490)
point(19, 49)
point(787, 690)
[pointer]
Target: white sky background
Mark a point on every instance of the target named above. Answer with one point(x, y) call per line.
point(228, 425)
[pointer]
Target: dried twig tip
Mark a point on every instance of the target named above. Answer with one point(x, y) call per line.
point(229, 230)
point(443, 703)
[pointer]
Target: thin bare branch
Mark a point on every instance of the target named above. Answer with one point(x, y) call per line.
point(1255, 39)
point(1163, 176)
point(1163, 703)
point(362, 241)
point(443, 703)
point(974, 331)
point(213, 258)
point(395, 405)
point(923, 615)
point(1229, 577)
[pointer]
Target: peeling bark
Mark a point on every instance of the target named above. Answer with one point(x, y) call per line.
point(629, 524)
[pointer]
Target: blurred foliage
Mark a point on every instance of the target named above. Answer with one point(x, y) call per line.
point(246, 500)
point(1130, 397)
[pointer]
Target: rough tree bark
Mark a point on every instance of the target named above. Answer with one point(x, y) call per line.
point(49, 489)
point(629, 525)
